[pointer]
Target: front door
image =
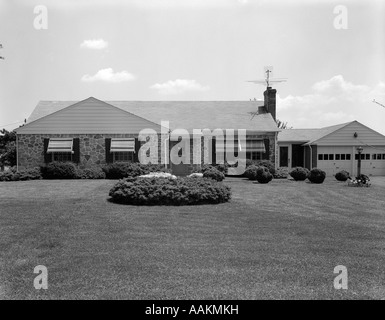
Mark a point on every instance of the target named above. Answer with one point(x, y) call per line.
point(283, 156)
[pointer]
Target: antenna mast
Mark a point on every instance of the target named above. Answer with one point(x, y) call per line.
point(268, 70)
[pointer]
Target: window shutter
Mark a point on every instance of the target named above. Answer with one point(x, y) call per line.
point(266, 155)
point(47, 156)
point(137, 147)
point(214, 150)
point(109, 155)
point(76, 150)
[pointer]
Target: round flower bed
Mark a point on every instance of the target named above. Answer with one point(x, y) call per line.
point(164, 191)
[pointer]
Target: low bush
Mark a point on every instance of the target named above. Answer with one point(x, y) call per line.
point(58, 170)
point(119, 170)
point(316, 176)
point(342, 175)
point(21, 175)
point(264, 163)
point(251, 172)
point(299, 173)
point(91, 173)
point(220, 167)
point(263, 175)
point(158, 191)
point(214, 174)
point(281, 173)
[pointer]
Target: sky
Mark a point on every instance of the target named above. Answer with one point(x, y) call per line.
point(331, 52)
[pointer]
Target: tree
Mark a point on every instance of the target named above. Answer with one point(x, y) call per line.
point(7, 148)
point(282, 125)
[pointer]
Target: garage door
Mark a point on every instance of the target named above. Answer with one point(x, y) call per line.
point(334, 159)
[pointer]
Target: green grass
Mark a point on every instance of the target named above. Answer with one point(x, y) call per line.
point(276, 241)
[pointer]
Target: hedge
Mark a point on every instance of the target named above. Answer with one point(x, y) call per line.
point(316, 176)
point(119, 170)
point(163, 191)
point(299, 173)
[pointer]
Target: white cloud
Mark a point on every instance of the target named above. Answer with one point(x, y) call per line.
point(179, 86)
point(108, 75)
point(96, 44)
point(331, 102)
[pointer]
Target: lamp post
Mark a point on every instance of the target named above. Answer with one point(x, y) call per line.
point(359, 150)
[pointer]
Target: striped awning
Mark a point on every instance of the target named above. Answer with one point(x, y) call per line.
point(60, 145)
point(255, 145)
point(122, 145)
point(222, 145)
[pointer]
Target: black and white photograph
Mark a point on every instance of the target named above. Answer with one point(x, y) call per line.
point(192, 155)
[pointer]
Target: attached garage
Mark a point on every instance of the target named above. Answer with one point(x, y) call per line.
point(334, 148)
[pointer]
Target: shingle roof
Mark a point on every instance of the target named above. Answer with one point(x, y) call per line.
point(307, 135)
point(184, 114)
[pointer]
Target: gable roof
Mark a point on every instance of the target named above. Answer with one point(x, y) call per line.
point(307, 136)
point(182, 114)
point(88, 116)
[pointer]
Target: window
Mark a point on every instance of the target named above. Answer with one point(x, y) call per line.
point(255, 145)
point(320, 156)
point(374, 156)
point(61, 149)
point(348, 156)
point(61, 156)
point(331, 156)
point(378, 156)
point(123, 149)
point(123, 156)
point(367, 156)
point(326, 157)
point(254, 155)
point(338, 156)
point(383, 156)
point(343, 157)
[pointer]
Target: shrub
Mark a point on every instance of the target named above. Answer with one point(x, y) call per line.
point(220, 167)
point(281, 173)
point(342, 175)
point(181, 191)
point(316, 176)
point(251, 172)
point(299, 173)
point(214, 174)
point(263, 175)
point(22, 175)
point(119, 170)
point(195, 175)
point(264, 163)
point(59, 170)
point(91, 173)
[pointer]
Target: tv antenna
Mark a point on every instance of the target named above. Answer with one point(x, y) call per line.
point(268, 70)
point(378, 103)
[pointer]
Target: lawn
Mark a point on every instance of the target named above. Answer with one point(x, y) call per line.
point(275, 241)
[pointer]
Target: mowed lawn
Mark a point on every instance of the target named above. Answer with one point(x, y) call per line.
point(275, 241)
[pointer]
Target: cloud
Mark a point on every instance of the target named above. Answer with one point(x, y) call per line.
point(331, 102)
point(108, 75)
point(179, 86)
point(96, 44)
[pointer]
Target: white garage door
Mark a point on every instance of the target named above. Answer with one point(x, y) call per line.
point(334, 159)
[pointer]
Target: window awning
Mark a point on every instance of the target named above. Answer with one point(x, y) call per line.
point(222, 145)
point(60, 145)
point(122, 145)
point(255, 145)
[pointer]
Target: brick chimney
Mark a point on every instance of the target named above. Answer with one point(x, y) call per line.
point(269, 97)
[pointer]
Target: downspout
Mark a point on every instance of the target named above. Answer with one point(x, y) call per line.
point(276, 150)
point(17, 153)
point(311, 157)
